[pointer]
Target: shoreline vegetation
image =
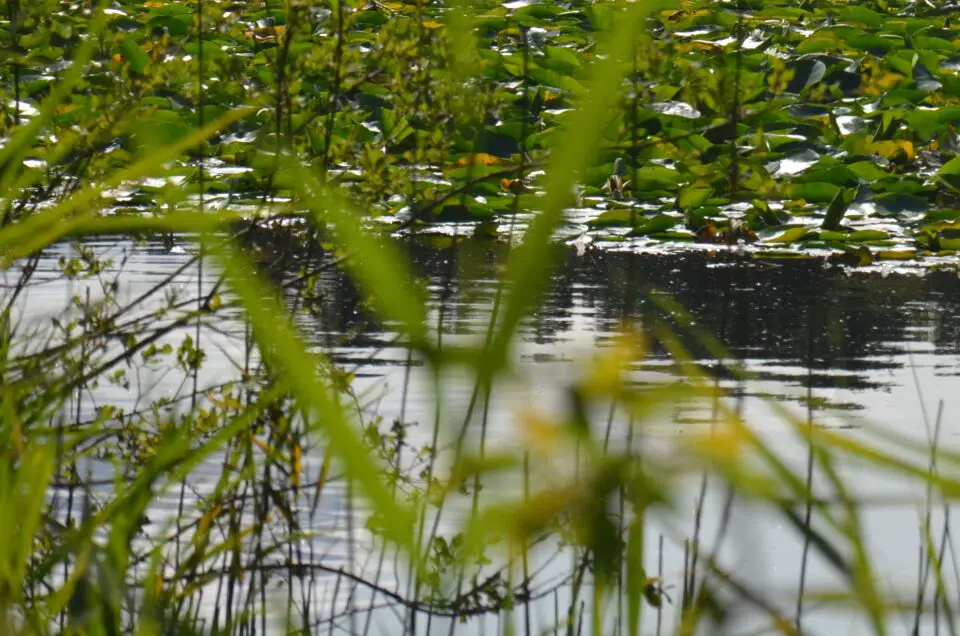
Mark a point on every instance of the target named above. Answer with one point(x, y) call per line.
point(273, 145)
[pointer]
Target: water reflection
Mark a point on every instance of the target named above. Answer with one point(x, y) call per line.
point(854, 346)
point(796, 322)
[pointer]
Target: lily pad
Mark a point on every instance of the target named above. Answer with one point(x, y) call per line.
point(790, 235)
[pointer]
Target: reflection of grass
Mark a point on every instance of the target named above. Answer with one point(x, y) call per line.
point(462, 525)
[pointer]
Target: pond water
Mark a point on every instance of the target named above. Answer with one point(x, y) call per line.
point(852, 349)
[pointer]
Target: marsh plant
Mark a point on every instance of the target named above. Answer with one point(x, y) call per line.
point(272, 143)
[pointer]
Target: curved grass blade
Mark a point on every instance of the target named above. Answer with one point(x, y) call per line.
point(297, 370)
point(375, 263)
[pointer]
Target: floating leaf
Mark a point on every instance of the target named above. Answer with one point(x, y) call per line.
point(814, 192)
point(616, 217)
point(861, 236)
point(790, 235)
point(861, 15)
point(564, 55)
point(896, 255)
point(659, 223)
point(867, 170)
point(891, 149)
point(952, 167)
point(807, 72)
point(692, 197)
point(833, 236)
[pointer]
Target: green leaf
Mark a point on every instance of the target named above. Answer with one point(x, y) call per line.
point(833, 236)
point(861, 236)
point(692, 197)
point(952, 167)
point(615, 217)
point(564, 55)
point(162, 128)
point(659, 223)
point(838, 207)
point(790, 235)
point(861, 15)
point(134, 55)
point(817, 44)
point(874, 43)
point(658, 176)
point(933, 44)
point(837, 175)
point(817, 192)
point(867, 170)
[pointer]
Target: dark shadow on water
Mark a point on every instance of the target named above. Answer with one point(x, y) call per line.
point(852, 328)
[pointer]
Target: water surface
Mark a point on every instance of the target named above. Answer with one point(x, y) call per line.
point(851, 350)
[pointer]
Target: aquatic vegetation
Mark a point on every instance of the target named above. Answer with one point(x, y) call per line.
point(824, 127)
point(279, 141)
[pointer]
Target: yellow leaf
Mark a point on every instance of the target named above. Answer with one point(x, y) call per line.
point(541, 434)
point(725, 447)
point(604, 378)
point(512, 185)
point(682, 14)
point(207, 519)
point(893, 149)
point(322, 478)
point(896, 255)
point(261, 445)
point(481, 158)
point(297, 456)
point(431, 24)
point(699, 46)
point(784, 626)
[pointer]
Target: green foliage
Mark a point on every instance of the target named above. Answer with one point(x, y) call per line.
point(356, 122)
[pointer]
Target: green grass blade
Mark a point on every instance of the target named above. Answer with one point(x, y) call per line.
point(298, 370)
point(374, 262)
point(636, 574)
point(42, 229)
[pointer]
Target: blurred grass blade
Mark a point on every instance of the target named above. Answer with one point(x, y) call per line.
point(530, 265)
point(22, 487)
point(40, 230)
point(460, 20)
point(636, 573)
point(376, 264)
point(298, 370)
point(862, 578)
point(817, 540)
